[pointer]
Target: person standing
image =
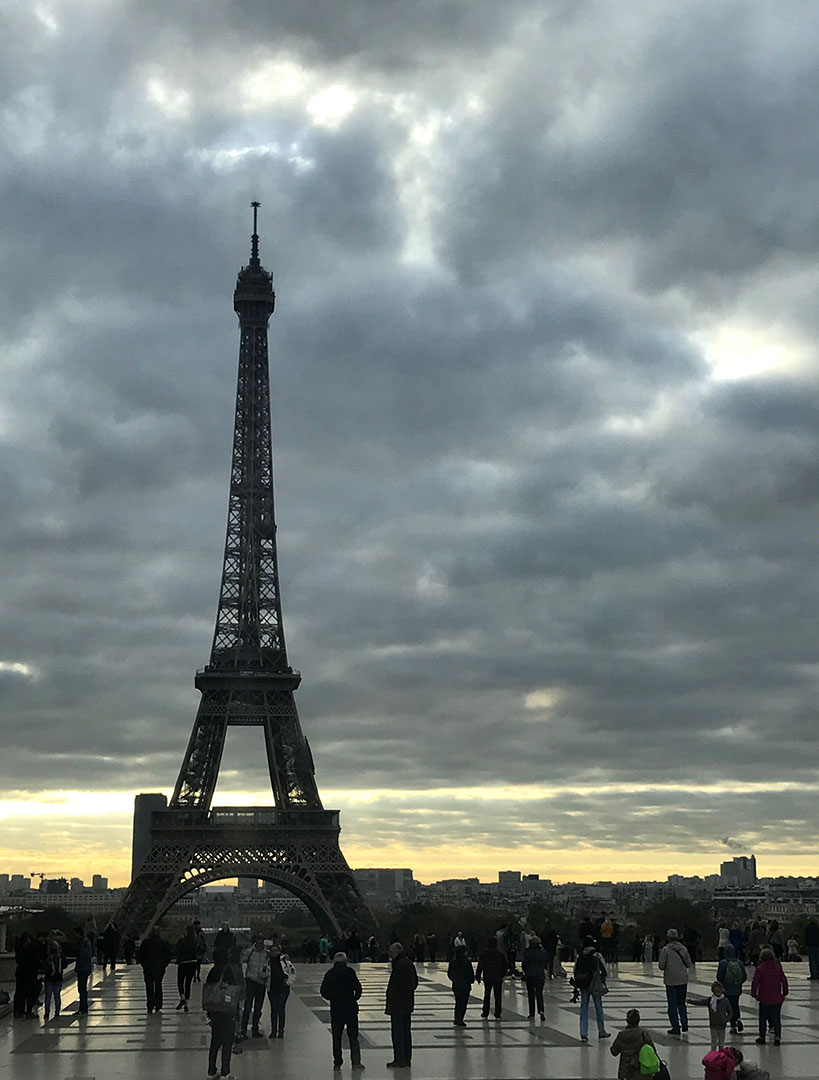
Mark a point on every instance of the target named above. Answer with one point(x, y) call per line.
point(491, 968)
point(419, 944)
point(222, 1020)
point(432, 946)
point(691, 938)
point(648, 949)
point(812, 947)
point(257, 979)
point(225, 939)
point(731, 973)
point(91, 931)
point(400, 1004)
point(83, 966)
point(770, 988)
point(533, 964)
point(342, 988)
point(462, 975)
point(723, 939)
point(53, 981)
point(628, 1044)
point(282, 974)
point(25, 977)
point(674, 962)
point(606, 937)
point(776, 939)
point(756, 940)
point(110, 946)
point(129, 948)
point(185, 966)
point(154, 956)
point(589, 975)
point(549, 940)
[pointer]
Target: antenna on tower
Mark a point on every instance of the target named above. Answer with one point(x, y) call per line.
point(254, 240)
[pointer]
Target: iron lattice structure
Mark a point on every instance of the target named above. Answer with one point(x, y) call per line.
point(248, 682)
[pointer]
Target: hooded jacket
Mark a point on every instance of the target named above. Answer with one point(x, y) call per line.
point(769, 985)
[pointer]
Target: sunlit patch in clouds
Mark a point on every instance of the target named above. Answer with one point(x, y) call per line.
point(736, 351)
point(16, 667)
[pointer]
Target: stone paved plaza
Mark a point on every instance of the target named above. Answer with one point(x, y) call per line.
point(118, 1040)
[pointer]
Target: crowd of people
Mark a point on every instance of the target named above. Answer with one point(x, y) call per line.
point(241, 980)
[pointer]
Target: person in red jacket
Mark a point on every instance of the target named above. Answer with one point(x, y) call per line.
point(770, 988)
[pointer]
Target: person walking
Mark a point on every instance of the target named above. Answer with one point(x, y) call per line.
point(533, 964)
point(731, 973)
point(491, 969)
point(91, 931)
point(674, 962)
point(221, 1014)
point(719, 1013)
point(154, 956)
point(776, 939)
point(723, 939)
point(53, 981)
point(628, 1044)
point(201, 950)
point(225, 939)
point(185, 966)
point(110, 946)
point(83, 966)
point(769, 987)
point(282, 975)
point(342, 988)
point(811, 940)
point(419, 944)
point(432, 946)
point(25, 977)
point(756, 941)
point(462, 975)
point(549, 940)
point(400, 1004)
point(648, 949)
point(257, 979)
point(589, 976)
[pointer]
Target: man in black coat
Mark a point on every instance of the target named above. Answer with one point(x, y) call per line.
point(491, 968)
point(154, 956)
point(341, 987)
point(400, 1003)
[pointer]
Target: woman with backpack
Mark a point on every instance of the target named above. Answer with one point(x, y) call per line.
point(53, 978)
point(220, 997)
point(731, 973)
point(590, 973)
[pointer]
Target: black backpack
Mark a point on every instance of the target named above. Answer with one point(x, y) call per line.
point(584, 970)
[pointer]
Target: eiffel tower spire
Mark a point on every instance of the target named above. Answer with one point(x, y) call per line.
point(248, 682)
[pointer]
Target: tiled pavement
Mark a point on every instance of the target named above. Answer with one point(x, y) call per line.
point(118, 1041)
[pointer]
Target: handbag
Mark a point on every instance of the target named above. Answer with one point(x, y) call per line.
point(662, 1073)
point(220, 997)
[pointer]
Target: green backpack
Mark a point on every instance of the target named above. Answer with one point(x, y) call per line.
point(649, 1062)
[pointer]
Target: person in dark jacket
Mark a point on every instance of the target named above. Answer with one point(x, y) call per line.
point(812, 947)
point(534, 971)
point(185, 966)
point(26, 985)
point(549, 941)
point(83, 967)
point(154, 956)
point(341, 987)
point(462, 975)
point(110, 946)
point(278, 991)
point(222, 1024)
point(225, 939)
point(731, 974)
point(400, 1003)
point(53, 976)
point(491, 968)
point(770, 988)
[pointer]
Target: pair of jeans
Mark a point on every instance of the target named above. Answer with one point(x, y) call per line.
point(53, 989)
point(736, 1014)
point(534, 988)
point(254, 999)
point(153, 990)
point(401, 1032)
point(584, 1013)
point(184, 978)
point(338, 1022)
point(82, 990)
point(773, 1014)
point(813, 960)
point(221, 1038)
point(490, 988)
point(717, 1038)
point(677, 1009)
point(278, 1002)
point(461, 994)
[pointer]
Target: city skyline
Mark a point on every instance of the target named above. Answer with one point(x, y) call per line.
point(545, 422)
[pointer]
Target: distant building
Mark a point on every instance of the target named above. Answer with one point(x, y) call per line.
point(99, 883)
point(18, 883)
point(4, 883)
point(144, 806)
point(77, 884)
point(509, 880)
point(248, 886)
point(738, 873)
point(385, 883)
point(54, 886)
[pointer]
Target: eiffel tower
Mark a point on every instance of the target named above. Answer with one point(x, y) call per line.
point(248, 683)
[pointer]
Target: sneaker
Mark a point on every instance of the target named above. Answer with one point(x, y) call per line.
point(358, 1068)
point(673, 1031)
point(584, 1038)
point(759, 1042)
point(543, 1016)
point(740, 1026)
point(777, 1042)
point(604, 1035)
point(336, 1065)
point(257, 1034)
point(392, 1065)
point(213, 1072)
point(685, 1029)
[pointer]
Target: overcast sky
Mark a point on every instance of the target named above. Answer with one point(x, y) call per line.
point(546, 415)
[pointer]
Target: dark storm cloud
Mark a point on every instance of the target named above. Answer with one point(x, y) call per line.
point(523, 532)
